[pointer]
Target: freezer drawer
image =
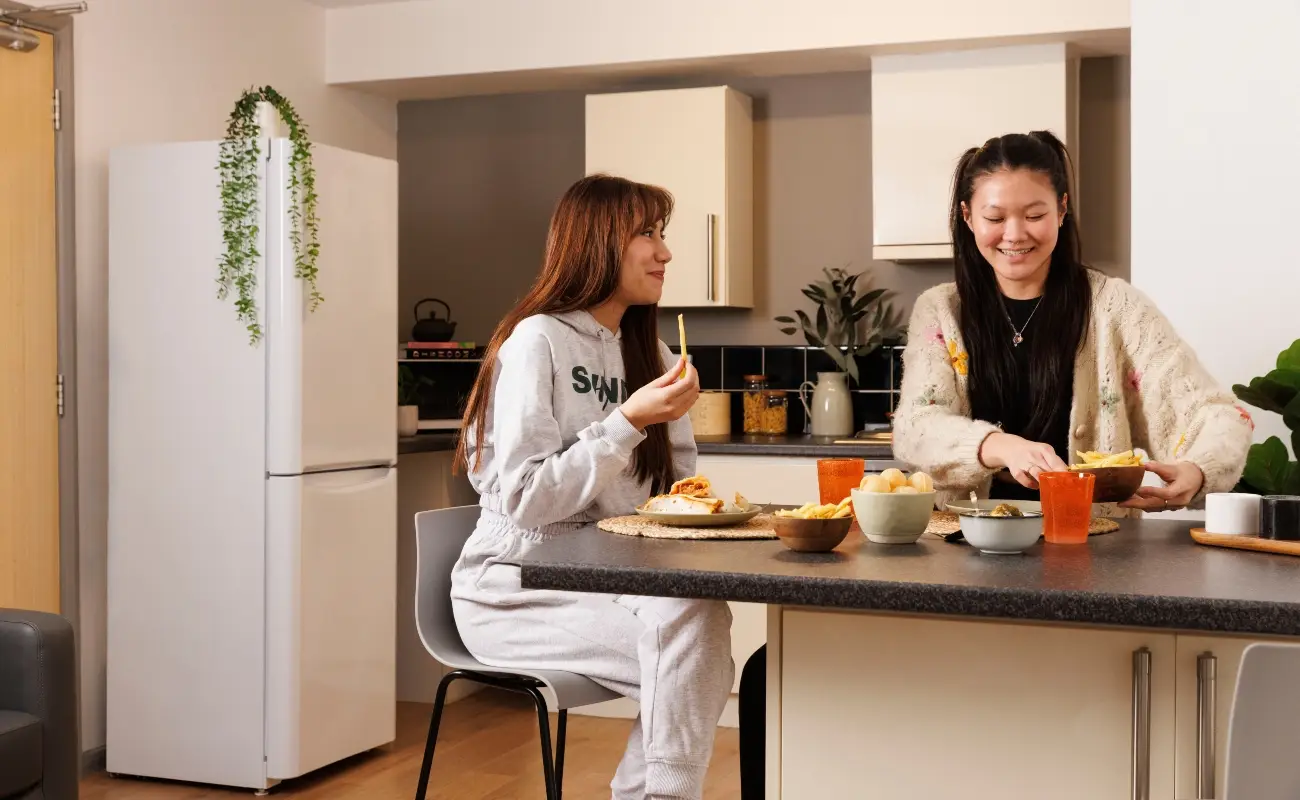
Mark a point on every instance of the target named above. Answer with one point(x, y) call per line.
point(331, 587)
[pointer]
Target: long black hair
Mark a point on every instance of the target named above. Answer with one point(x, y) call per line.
point(1067, 294)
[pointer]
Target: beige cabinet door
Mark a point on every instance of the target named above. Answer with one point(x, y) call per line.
point(915, 709)
point(697, 144)
point(29, 421)
point(1212, 662)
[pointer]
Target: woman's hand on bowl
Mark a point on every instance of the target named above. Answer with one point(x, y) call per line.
point(1025, 460)
point(1182, 481)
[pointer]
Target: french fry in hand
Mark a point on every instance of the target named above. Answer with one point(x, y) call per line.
point(681, 339)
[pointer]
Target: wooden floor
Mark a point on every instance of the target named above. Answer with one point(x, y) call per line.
point(487, 750)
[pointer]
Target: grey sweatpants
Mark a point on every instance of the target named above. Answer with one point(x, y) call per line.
point(672, 656)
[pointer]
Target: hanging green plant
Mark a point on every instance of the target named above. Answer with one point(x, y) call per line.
point(240, 152)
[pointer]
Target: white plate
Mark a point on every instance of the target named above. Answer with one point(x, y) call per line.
point(702, 520)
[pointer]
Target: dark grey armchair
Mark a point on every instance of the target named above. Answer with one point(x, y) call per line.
point(40, 750)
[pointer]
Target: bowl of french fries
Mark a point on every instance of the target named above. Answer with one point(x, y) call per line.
point(893, 507)
point(814, 527)
point(1117, 475)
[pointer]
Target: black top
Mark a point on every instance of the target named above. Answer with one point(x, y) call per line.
point(1016, 417)
point(1148, 574)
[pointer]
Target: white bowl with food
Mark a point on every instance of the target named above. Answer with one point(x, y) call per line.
point(893, 508)
point(1002, 530)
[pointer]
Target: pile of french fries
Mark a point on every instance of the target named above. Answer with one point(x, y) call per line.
point(1094, 460)
point(838, 510)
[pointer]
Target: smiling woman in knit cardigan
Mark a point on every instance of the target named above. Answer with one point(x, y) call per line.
point(1030, 356)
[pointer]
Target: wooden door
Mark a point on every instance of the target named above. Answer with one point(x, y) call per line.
point(29, 420)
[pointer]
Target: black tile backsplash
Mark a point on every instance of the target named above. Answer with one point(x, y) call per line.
point(738, 362)
point(784, 367)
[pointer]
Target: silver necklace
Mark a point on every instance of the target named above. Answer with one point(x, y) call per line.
point(1019, 335)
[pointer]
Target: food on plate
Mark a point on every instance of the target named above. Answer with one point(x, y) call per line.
point(694, 486)
point(681, 339)
point(893, 481)
point(1094, 460)
point(895, 477)
point(1006, 510)
point(693, 495)
point(838, 510)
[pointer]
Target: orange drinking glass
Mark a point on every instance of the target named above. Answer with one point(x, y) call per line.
point(1067, 506)
point(836, 477)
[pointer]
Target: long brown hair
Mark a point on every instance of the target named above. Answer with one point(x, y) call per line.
point(590, 229)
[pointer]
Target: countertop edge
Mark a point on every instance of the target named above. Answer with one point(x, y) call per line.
point(1226, 616)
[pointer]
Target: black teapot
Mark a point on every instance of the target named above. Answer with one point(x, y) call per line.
point(432, 328)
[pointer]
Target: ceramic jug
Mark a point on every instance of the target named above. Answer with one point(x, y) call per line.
point(831, 411)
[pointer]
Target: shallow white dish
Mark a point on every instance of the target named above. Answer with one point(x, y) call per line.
point(719, 520)
point(966, 506)
point(1002, 535)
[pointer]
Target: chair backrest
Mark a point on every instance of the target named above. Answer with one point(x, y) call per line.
point(439, 537)
point(1264, 725)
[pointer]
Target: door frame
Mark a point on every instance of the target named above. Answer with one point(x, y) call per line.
point(60, 27)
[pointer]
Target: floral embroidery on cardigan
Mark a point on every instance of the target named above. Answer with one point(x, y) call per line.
point(1109, 400)
point(934, 334)
point(1135, 379)
point(927, 398)
point(957, 357)
point(1246, 416)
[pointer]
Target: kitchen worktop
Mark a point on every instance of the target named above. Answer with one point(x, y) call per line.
point(1149, 574)
point(427, 442)
point(792, 445)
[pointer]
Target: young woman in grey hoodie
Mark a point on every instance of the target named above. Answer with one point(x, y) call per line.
point(580, 414)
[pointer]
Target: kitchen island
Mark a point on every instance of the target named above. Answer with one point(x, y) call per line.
point(931, 670)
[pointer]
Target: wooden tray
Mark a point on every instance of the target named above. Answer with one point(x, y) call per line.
point(1240, 542)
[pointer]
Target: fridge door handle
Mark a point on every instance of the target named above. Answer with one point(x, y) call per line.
point(348, 480)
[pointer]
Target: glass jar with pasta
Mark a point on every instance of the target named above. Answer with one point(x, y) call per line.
point(773, 414)
point(752, 401)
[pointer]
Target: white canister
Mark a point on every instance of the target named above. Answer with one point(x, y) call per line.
point(1232, 513)
point(831, 410)
point(711, 414)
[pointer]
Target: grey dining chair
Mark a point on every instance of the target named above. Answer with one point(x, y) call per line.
point(439, 537)
point(1264, 725)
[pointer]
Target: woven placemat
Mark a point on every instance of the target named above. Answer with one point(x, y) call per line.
point(943, 523)
point(759, 527)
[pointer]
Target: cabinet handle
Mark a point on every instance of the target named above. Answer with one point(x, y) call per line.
point(709, 249)
point(1206, 680)
point(1141, 724)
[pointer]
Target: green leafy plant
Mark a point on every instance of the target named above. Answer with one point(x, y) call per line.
point(409, 385)
point(1268, 469)
point(845, 324)
point(238, 163)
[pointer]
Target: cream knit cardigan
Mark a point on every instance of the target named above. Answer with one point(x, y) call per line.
point(1136, 384)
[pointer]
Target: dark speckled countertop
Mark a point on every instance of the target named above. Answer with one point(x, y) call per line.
point(793, 445)
point(1149, 574)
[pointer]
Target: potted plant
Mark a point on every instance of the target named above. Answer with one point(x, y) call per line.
point(845, 325)
point(1268, 469)
point(256, 110)
point(408, 400)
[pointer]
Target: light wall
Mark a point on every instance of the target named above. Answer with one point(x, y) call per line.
point(479, 177)
point(166, 70)
point(1216, 121)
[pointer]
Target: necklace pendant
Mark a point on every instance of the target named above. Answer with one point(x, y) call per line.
point(1017, 339)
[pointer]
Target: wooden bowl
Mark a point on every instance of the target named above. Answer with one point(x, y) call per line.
point(1114, 484)
point(811, 535)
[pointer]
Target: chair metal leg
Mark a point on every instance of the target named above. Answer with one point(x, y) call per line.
point(559, 753)
point(432, 739)
point(544, 724)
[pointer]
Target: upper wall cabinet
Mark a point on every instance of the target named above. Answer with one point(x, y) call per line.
point(699, 145)
point(926, 110)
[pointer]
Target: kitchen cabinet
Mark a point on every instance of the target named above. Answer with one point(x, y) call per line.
point(698, 144)
point(1205, 675)
point(926, 110)
point(984, 711)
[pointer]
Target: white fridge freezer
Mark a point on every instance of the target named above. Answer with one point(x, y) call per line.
point(252, 488)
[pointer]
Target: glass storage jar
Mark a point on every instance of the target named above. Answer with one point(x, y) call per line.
point(752, 402)
point(774, 412)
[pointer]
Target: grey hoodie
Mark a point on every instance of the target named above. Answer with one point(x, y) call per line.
point(556, 447)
